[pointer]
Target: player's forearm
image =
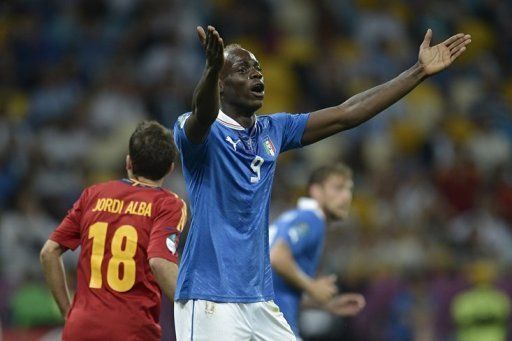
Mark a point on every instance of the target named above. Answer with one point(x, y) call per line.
point(206, 98)
point(166, 274)
point(293, 275)
point(363, 106)
point(283, 262)
point(205, 106)
point(55, 275)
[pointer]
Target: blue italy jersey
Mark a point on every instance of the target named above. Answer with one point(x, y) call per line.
point(303, 230)
point(229, 181)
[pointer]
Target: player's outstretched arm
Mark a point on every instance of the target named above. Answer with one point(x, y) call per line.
point(361, 107)
point(54, 272)
point(281, 258)
point(206, 99)
point(166, 274)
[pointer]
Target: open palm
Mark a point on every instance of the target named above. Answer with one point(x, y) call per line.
point(437, 58)
point(213, 46)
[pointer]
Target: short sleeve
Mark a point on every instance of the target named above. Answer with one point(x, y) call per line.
point(298, 236)
point(67, 234)
point(292, 127)
point(191, 152)
point(166, 230)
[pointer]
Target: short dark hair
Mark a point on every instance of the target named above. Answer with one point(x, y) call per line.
point(152, 150)
point(319, 175)
point(229, 48)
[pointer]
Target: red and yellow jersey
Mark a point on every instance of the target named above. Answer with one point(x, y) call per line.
point(119, 225)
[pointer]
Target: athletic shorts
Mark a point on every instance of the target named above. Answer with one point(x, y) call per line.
point(197, 320)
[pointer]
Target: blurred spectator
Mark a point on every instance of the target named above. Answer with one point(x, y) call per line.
point(22, 231)
point(32, 306)
point(481, 312)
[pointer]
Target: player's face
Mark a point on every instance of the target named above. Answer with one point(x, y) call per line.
point(242, 84)
point(337, 196)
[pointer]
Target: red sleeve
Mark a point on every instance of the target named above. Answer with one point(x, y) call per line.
point(167, 227)
point(68, 232)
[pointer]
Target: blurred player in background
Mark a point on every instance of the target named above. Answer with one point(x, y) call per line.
point(296, 244)
point(224, 288)
point(128, 232)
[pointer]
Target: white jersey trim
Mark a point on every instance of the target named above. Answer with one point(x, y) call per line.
point(229, 122)
point(310, 204)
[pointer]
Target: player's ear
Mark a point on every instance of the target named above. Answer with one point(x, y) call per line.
point(315, 191)
point(129, 165)
point(221, 87)
point(171, 169)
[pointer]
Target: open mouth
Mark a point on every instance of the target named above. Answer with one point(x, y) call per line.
point(258, 90)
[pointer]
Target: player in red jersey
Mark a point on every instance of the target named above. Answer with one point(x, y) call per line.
point(128, 232)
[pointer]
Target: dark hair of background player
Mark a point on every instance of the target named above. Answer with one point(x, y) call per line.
point(152, 150)
point(319, 175)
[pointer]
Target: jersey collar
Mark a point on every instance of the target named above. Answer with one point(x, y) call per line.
point(229, 122)
point(134, 182)
point(310, 204)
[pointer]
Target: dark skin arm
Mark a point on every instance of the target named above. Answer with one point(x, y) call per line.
point(361, 107)
point(55, 274)
point(206, 98)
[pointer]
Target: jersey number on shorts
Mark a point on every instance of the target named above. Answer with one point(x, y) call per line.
point(255, 166)
point(126, 234)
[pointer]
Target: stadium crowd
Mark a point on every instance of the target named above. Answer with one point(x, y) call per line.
point(432, 212)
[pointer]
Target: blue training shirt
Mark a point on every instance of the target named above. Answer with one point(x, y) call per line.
point(303, 230)
point(229, 181)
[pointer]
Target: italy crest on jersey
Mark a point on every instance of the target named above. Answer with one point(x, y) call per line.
point(269, 146)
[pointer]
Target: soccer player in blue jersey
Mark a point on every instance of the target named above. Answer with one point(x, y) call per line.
point(224, 289)
point(296, 244)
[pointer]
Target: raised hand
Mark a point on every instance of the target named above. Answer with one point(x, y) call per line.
point(213, 46)
point(346, 304)
point(436, 58)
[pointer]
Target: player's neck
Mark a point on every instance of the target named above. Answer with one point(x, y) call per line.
point(329, 219)
point(245, 118)
point(146, 182)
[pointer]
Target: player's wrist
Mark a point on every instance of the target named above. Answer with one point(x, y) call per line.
point(328, 307)
point(212, 70)
point(309, 287)
point(419, 71)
